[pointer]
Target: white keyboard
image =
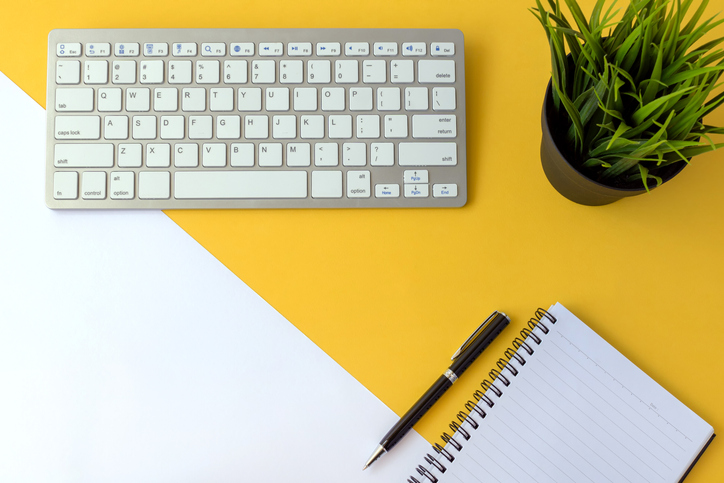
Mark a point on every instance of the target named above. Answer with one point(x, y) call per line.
point(256, 118)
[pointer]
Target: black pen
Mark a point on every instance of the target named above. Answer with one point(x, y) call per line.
point(463, 357)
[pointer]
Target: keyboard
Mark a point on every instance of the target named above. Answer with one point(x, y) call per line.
point(255, 118)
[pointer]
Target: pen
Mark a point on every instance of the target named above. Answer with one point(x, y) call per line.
point(463, 357)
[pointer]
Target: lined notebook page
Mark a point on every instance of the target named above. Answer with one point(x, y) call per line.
point(578, 411)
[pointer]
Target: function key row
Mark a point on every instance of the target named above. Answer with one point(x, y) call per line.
point(248, 49)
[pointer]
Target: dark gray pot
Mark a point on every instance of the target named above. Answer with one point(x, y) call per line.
point(566, 179)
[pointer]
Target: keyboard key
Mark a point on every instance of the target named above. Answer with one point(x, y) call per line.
point(129, 155)
point(154, 185)
point(326, 184)
point(340, 127)
point(374, 71)
point(83, 156)
point(442, 49)
point(65, 185)
point(368, 126)
point(328, 49)
point(165, 99)
point(179, 72)
point(358, 184)
point(122, 185)
point(158, 49)
point(228, 127)
point(312, 127)
point(387, 190)
point(299, 49)
point(415, 176)
point(388, 99)
point(443, 99)
point(384, 49)
point(186, 155)
point(240, 184)
point(319, 71)
point(270, 154)
point(402, 72)
point(445, 190)
point(95, 72)
point(152, 72)
point(74, 100)
point(427, 154)
point(256, 127)
point(67, 72)
point(290, 72)
point(77, 127)
point(221, 99)
point(207, 71)
point(127, 49)
point(250, 99)
point(416, 99)
point(95, 49)
point(193, 99)
point(346, 72)
point(144, 127)
point(172, 127)
point(138, 99)
point(263, 72)
point(360, 99)
point(124, 72)
point(115, 127)
point(326, 154)
point(243, 49)
point(416, 49)
point(284, 127)
point(305, 99)
point(436, 71)
point(213, 49)
point(213, 155)
point(354, 154)
point(299, 154)
point(200, 127)
point(93, 185)
point(242, 155)
point(68, 49)
point(382, 154)
point(158, 155)
point(184, 49)
point(417, 191)
point(357, 49)
point(109, 99)
point(333, 99)
point(432, 126)
point(235, 72)
point(271, 49)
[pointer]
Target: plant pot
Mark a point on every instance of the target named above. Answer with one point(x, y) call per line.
point(566, 179)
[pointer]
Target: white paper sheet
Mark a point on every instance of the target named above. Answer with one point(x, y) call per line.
point(129, 353)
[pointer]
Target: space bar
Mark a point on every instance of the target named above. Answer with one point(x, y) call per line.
point(240, 184)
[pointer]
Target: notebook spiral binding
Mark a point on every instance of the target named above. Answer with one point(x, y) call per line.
point(445, 457)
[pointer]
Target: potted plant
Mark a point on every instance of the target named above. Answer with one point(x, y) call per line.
point(629, 89)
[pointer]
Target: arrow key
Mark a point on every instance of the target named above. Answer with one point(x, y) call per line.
point(415, 176)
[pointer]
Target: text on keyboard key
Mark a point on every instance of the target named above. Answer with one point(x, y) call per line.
point(77, 127)
point(427, 154)
point(83, 155)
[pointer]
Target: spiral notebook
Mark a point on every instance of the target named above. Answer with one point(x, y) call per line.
point(565, 406)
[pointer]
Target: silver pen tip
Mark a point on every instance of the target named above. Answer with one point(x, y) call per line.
point(379, 450)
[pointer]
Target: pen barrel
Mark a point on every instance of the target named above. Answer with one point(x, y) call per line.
point(468, 356)
point(416, 412)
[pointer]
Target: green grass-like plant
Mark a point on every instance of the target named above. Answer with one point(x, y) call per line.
point(633, 87)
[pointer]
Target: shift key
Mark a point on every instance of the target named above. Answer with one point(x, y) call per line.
point(77, 127)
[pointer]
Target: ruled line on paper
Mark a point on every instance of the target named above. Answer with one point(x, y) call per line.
point(553, 433)
point(590, 434)
point(632, 393)
point(564, 365)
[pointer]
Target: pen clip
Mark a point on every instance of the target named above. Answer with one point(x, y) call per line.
point(474, 335)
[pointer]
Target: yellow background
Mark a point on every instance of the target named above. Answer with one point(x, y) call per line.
point(390, 294)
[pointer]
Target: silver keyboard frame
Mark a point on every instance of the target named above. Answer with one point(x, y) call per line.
point(394, 174)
